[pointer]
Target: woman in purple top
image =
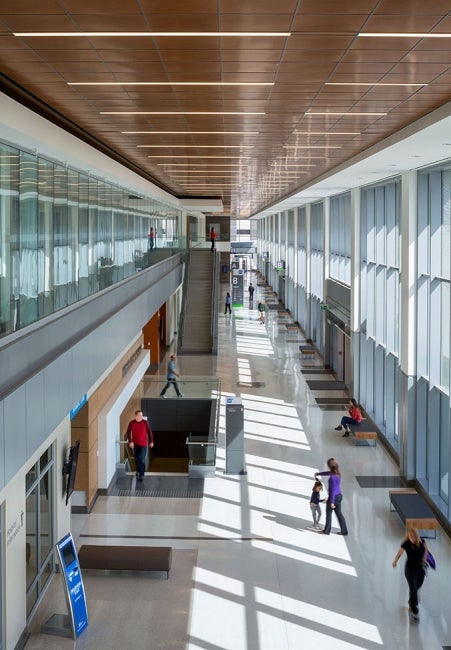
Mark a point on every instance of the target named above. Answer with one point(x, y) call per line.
point(335, 498)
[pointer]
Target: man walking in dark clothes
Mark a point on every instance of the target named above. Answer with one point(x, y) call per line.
point(251, 292)
point(139, 436)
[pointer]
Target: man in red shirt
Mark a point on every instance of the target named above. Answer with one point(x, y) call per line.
point(213, 236)
point(139, 436)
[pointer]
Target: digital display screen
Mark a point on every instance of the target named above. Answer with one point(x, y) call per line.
point(68, 554)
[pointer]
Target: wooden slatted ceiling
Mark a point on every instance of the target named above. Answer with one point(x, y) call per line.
point(248, 158)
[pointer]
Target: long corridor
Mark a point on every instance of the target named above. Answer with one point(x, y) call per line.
point(249, 572)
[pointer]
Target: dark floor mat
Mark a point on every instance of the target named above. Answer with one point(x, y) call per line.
point(380, 481)
point(272, 306)
point(176, 487)
point(316, 371)
point(314, 384)
point(332, 400)
point(251, 384)
point(307, 348)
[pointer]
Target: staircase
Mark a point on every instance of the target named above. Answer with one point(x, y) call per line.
point(198, 313)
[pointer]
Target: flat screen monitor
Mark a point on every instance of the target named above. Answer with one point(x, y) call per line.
point(68, 553)
point(71, 469)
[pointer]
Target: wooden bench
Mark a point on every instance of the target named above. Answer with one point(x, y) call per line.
point(363, 433)
point(306, 352)
point(126, 558)
point(413, 510)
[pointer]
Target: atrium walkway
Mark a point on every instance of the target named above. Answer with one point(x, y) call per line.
point(248, 572)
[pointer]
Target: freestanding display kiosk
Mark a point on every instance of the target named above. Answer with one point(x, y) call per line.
point(234, 436)
point(73, 624)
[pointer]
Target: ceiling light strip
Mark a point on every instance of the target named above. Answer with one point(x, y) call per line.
point(404, 35)
point(170, 83)
point(181, 113)
point(196, 146)
point(344, 114)
point(190, 132)
point(382, 83)
point(189, 156)
point(151, 34)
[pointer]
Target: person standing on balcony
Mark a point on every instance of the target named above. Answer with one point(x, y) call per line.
point(151, 237)
point(213, 236)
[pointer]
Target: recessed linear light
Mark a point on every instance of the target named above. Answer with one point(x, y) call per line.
point(181, 113)
point(326, 133)
point(190, 132)
point(345, 114)
point(170, 83)
point(227, 157)
point(170, 165)
point(311, 146)
point(150, 34)
point(195, 146)
point(382, 83)
point(404, 35)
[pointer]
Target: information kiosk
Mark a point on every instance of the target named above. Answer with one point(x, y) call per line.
point(73, 624)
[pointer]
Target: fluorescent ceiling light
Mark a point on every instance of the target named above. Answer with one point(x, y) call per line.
point(170, 83)
point(311, 146)
point(198, 163)
point(151, 34)
point(227, 157)
point(190, 132)
point(195, 146)
point(326, 132)
point(346, 113)
point(360, 83)
point(180, 113)
point(404, 34)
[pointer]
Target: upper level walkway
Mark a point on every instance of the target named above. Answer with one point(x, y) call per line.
point(249, 573)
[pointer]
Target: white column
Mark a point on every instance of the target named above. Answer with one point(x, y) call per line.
point(355, 289)
point(407, 323)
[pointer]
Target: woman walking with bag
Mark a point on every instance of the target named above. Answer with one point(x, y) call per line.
point(333, 503)
point(416, 565)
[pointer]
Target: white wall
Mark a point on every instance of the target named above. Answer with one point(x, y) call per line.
point(14, 540)
point(109, 432)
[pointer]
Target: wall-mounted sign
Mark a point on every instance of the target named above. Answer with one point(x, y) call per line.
point(79, 406)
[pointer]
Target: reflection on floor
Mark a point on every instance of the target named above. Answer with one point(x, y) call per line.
point(249, 573)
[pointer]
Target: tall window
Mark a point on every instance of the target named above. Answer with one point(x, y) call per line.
point(434, 327)
point(317, 250)
point(39, 523)
point(379, 303)
point(340, 238)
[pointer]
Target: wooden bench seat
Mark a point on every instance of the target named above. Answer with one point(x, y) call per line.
point(126, 558)
point(363, 433)
point(413, 510)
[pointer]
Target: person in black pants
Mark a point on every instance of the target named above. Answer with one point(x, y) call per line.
point(228, 302)
point(415, 571)
point(333, 503)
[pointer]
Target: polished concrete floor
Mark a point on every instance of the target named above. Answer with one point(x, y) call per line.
point(249, 573)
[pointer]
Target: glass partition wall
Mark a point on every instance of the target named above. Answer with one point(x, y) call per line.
point(65, 235)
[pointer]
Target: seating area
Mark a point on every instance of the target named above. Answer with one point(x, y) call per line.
point(364, 434)
point(413, 510)
point(126, 558)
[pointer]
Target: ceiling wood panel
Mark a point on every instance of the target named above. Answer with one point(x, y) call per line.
point(324, 47)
